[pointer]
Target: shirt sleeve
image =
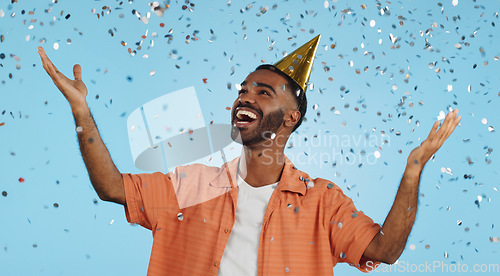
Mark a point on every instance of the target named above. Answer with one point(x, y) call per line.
point(147, 195)
point(350, 233)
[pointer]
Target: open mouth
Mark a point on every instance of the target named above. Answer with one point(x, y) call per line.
point(244, 117)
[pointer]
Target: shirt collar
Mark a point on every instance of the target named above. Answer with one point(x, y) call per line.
point(292, 179)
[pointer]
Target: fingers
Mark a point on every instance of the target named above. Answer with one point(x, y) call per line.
point(47, 64)
point(44, 59)
point(442, 126)
point(449, 117)
point(433, 129)
point(77, 72)
point(446, 122)
point(452, 125)
point(57, 77)
point(449, 125)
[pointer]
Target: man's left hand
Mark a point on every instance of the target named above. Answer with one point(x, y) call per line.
point(421, 154)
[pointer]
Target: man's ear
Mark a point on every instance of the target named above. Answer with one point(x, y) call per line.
point(292, 117)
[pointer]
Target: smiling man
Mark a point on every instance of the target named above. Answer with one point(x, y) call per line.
point(257, 214)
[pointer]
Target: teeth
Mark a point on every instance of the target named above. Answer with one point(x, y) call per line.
point(247, 113)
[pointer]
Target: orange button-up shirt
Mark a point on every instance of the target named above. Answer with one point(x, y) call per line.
point(309, 224)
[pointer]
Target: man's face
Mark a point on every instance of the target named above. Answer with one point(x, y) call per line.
point(260, 107)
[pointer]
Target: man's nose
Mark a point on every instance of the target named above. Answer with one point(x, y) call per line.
point(246, 98)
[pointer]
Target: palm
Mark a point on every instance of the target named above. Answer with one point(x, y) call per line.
point(76, 86)
point(421, 154)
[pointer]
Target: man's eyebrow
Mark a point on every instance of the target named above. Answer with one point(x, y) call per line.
point(259, 84)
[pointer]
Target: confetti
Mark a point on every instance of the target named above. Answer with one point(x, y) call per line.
point(446, 39)
point(21, 180)
point(441, 115)
point(446, 170)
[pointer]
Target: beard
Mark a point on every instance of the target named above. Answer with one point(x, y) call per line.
point(261, 132)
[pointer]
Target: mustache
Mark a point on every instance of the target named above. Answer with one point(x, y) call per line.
point(258, 111)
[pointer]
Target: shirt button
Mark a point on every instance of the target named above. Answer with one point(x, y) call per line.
point(216, 263)
point(226, 231)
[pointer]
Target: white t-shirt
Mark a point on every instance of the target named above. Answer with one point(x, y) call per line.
point(240, 254)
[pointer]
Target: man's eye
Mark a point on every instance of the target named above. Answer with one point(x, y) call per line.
point(264, 92)
point(241, 91)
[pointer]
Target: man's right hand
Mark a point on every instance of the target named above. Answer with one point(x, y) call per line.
point(103, 174)
point(75, 90)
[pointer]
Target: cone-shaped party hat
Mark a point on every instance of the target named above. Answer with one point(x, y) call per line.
point(298, 64)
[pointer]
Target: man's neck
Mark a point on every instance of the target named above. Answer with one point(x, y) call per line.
point(261, 167)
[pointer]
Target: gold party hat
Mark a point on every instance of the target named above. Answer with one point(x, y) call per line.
point(299, 63)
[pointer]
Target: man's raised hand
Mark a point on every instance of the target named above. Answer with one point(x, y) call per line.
point(421, 154)
point(75, 90)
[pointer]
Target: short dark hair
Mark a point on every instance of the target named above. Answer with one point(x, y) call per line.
point(300, 98)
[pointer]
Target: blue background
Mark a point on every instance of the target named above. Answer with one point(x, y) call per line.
point(38, 139)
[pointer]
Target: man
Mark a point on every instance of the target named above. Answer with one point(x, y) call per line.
point(257, 214)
